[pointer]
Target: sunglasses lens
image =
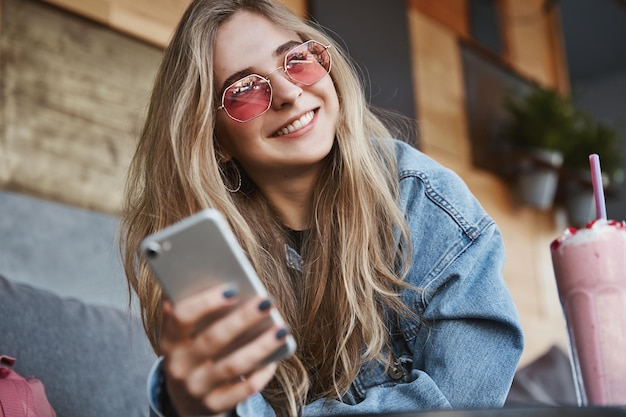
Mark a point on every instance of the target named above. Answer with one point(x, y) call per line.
point(308, 63)
point(247, 98)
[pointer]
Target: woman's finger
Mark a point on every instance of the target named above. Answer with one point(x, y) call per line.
point(212, 374)
point(226, 397)
point(237, 328)
point(223, 398)
point(182, 320)
point(196, 353)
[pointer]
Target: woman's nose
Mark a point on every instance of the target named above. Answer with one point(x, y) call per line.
point(284, 90)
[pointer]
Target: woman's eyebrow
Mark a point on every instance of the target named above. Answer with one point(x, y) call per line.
point(234, 77)
point(285, 47)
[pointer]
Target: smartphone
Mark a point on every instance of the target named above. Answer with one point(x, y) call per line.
point(200, 252)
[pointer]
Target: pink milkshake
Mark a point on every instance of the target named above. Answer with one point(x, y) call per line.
point(590, 270)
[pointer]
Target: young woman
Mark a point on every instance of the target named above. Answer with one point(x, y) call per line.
point(385, 267)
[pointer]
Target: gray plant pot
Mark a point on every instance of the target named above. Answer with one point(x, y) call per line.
point(580, 203)
point(538, 178)
point(580, 206)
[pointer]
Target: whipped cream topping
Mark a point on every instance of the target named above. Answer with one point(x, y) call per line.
point(594, 230)
point(304, 120)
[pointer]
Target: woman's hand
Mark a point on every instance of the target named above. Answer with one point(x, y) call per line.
point(207, 369)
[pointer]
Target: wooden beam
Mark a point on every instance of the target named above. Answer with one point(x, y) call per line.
point(559, 58)
point(97, 10)
point(450, 13)
point(152, 21)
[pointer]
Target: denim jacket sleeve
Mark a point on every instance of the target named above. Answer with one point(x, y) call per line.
point(470, 341)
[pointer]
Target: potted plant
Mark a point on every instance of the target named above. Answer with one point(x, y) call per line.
point(539, 125)
point(588, 136)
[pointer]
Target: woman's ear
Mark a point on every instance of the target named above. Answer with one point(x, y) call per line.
point(222, 155)
point(222, 159)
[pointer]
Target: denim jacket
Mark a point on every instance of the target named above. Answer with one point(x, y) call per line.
point(465, 350)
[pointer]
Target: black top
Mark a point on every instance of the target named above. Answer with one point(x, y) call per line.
point(296, 238)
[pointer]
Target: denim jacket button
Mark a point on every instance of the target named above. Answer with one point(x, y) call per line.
point(395, 372)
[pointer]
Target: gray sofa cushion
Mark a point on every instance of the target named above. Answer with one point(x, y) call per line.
point(92, 360)
point(67, 250)
point(547, 380)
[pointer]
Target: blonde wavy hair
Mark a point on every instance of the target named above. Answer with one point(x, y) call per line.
point(354, 256)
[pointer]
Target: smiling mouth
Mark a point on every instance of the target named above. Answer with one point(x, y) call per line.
point(303, 121)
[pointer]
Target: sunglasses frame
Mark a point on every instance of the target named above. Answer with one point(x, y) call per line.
point(267, 79)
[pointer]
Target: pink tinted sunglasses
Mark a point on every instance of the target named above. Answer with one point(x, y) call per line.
point(251, 96)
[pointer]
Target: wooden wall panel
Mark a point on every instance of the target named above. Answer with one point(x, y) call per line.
point(74, 96)
point(531, 41)
point(438, 75)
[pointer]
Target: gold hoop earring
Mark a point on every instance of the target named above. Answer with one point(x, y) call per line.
point(238, 173)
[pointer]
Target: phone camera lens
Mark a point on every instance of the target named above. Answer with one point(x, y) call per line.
point(153, 250)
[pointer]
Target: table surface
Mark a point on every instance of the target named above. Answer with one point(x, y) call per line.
point(530, 411)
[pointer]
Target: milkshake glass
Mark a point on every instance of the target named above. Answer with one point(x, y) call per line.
point(590, 271)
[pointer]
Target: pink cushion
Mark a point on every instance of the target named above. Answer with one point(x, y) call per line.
point(21, 397)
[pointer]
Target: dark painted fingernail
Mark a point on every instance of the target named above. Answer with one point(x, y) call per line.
point(282, 333)
point(265, 304)
point(230, 293)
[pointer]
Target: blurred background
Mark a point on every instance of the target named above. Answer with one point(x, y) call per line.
point(76, 75)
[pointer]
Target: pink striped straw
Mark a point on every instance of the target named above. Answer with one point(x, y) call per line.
point(598, 190)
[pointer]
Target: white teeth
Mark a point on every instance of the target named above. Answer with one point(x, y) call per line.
point(297, 124)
